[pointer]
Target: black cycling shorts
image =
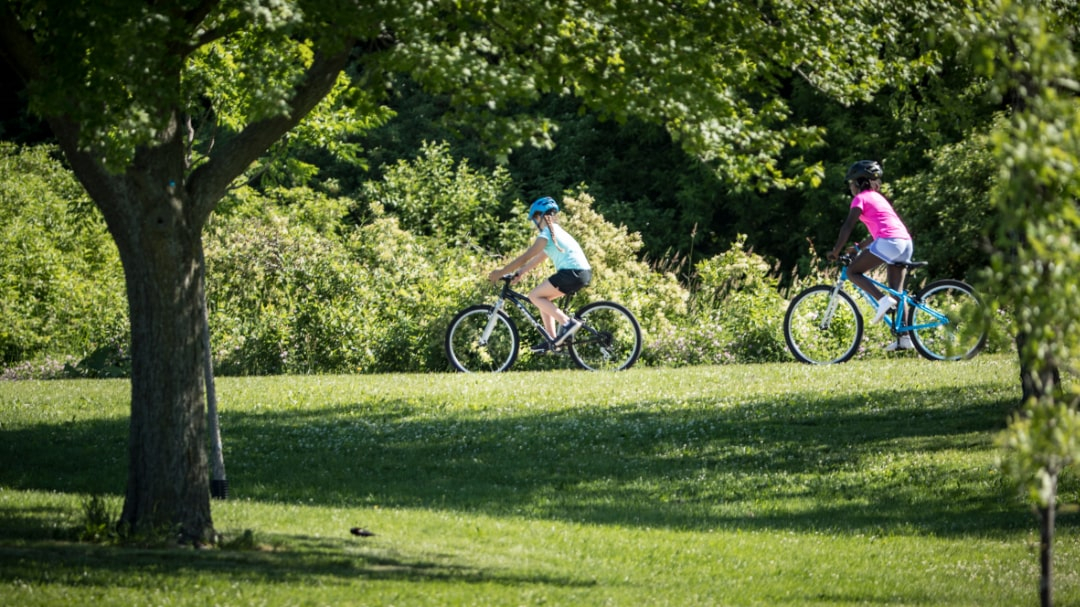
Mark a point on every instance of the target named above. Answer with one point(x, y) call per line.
point(570, 281)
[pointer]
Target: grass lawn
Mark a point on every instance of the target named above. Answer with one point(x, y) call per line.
point(866, 483)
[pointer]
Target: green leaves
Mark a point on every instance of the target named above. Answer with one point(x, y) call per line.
point(1036, 265)
point(1040, 443)
point(61, 284)
point(463, 206)
point(711, 73)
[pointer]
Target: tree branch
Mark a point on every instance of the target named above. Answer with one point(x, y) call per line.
point(195, 16)
point(209, 182)
point(18, 49)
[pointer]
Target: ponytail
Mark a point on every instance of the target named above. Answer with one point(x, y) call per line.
point(548, 216)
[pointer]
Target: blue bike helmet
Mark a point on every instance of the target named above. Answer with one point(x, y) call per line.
point(542, 206)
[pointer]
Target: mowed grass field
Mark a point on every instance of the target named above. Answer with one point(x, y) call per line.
point(870, 483)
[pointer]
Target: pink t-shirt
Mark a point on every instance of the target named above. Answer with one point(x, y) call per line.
point(879, 216)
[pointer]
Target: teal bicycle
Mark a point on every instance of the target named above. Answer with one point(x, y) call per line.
point(823, 324)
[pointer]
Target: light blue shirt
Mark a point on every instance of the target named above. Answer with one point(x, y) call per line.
point(571, 257)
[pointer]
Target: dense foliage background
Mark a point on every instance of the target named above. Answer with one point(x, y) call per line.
point(320, 271)
point(350, 246)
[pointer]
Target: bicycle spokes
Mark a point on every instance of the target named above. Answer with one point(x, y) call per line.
point(610, 338)
point(481, 338)
point(944, 321)
point(823, 326)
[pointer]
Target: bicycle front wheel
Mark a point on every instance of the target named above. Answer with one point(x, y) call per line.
point(608, 340)
point(821, 329)
point(470, 352)
point(944, 317)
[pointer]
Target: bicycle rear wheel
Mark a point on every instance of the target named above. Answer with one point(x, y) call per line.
point(821, 329)
point(609, 339)
point(469, 352)
point(945, 311)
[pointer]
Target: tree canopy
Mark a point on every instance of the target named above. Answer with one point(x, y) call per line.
point(160, 108)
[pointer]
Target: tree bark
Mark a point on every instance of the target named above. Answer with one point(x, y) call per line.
point(1046, 547)
point(168, 479)
point(1035, 383)
point(158, 233)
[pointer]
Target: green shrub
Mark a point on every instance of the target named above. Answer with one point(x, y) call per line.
point(735, 314)
point(285, 297)
point(435, 196)
point(415, 285)
point(61, 282)
point(281, 295)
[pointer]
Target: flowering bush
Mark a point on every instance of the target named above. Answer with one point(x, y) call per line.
point(735, 314)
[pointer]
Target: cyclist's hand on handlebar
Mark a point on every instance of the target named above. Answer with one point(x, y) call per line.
point(497, 275)
point(849, 253)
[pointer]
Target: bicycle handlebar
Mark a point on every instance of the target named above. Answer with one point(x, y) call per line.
point(506, 280)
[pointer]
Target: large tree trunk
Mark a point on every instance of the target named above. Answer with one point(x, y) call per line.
point(155, 212)
point(157, 226)
point(168, 476)
point(168, 479)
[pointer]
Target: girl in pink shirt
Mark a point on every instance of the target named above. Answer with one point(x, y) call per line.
point(889, 241)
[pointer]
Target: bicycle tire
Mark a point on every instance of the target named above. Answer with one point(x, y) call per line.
point(465, 350)
point(957, 340)
point(609, 339)
point(816, 340)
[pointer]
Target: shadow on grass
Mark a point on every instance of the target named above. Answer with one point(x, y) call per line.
point(309, 561)
point(878, 463)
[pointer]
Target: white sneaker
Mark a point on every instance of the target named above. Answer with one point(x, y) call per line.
point(904, 343)
point(884, 304)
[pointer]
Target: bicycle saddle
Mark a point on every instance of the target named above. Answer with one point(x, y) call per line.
point(912, 265)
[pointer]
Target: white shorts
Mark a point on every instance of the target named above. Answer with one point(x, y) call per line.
point(892, 250)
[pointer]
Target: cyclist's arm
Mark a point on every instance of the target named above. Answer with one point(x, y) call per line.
point(845, 231)
point(532, 263)
point(524, 262)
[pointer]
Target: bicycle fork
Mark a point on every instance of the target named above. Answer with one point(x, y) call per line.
point(834, 300)
point(492, 319)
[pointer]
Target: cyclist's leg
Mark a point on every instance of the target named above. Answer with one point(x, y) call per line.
point(865, 262)
point(898, 274)
point(542, 297)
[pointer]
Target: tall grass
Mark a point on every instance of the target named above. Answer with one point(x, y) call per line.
point(866, 483)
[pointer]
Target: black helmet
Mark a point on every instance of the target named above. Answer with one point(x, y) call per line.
point(864, 169)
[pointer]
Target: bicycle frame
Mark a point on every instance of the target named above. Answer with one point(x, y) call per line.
point(903, 301)
point(523, 303)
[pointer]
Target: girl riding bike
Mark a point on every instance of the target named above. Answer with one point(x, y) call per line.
point(889, 240)
point(572, 270)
